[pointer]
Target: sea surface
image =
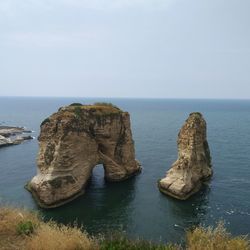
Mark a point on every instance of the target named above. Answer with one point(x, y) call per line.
point(136, 206)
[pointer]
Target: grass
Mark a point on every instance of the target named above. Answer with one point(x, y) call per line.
point(215, 239)
point(10, 221)
point(118, 241)
point(23, 230)
point(106, 104)
point(53, 236)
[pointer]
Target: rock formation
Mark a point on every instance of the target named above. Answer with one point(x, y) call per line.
point(13, 135)
point(5, 141)
point(72, 142)
point(193, 165)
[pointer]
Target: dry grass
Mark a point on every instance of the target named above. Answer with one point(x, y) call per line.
point(46, 236)
point(215, 239)
point(53, 237)
point(10, 218)
point(50, 236)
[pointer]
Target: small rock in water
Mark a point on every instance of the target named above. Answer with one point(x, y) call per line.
point(10, 135)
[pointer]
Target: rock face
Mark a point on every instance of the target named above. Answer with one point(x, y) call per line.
point(13, 135)
point(4, 141)
point(193, 165)
point(72, 142)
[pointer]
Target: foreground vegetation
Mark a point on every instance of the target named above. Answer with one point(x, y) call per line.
point(20, 229)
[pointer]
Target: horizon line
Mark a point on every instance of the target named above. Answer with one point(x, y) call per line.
point(109, 97)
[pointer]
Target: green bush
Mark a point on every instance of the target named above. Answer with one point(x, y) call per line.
point(45, 121)
point(25, 227)
point(75, 104)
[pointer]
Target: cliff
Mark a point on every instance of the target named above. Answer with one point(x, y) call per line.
point(193, 165)
point(72, 142)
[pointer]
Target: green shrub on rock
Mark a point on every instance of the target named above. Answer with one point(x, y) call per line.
point(45, 121)
point(75, 104)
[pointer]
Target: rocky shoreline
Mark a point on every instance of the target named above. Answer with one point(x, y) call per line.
point(10, 135)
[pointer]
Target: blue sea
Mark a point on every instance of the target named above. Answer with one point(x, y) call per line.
point(136, 206)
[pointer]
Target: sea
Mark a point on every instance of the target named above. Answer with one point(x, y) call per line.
point(136, 207)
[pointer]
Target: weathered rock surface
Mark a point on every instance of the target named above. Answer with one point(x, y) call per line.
point(8, 131)
point(4, 141)
point(72, 142)
point(13, 135)
point(193, 165)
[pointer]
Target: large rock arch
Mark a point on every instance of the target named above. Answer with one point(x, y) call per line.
point(72, 142)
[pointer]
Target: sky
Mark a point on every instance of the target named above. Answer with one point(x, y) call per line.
point(125, 48)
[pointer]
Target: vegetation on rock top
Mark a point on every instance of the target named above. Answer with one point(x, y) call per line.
point(75, 104)
point(98, 108)
point(45, 121)
point(196, 114)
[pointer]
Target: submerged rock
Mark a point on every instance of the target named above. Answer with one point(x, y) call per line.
point(72, 142)
point(193, 165)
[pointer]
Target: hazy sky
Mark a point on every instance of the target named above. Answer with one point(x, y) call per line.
point(125, 48)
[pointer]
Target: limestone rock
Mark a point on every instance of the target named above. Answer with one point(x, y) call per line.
point(72, 142)
point(20, 139)
point(4, 141)
point(8, 131)
point(13, 135)
point(193, 165)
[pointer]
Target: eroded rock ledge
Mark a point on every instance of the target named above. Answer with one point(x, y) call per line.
point(72, 142)
point(13, 135)
point(193, 165)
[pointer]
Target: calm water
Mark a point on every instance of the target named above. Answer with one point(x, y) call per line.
point(136, 206)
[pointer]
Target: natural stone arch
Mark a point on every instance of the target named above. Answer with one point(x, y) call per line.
point(72, 142)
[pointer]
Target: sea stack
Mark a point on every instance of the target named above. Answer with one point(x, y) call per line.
point(72, 142)
point(193, 166)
